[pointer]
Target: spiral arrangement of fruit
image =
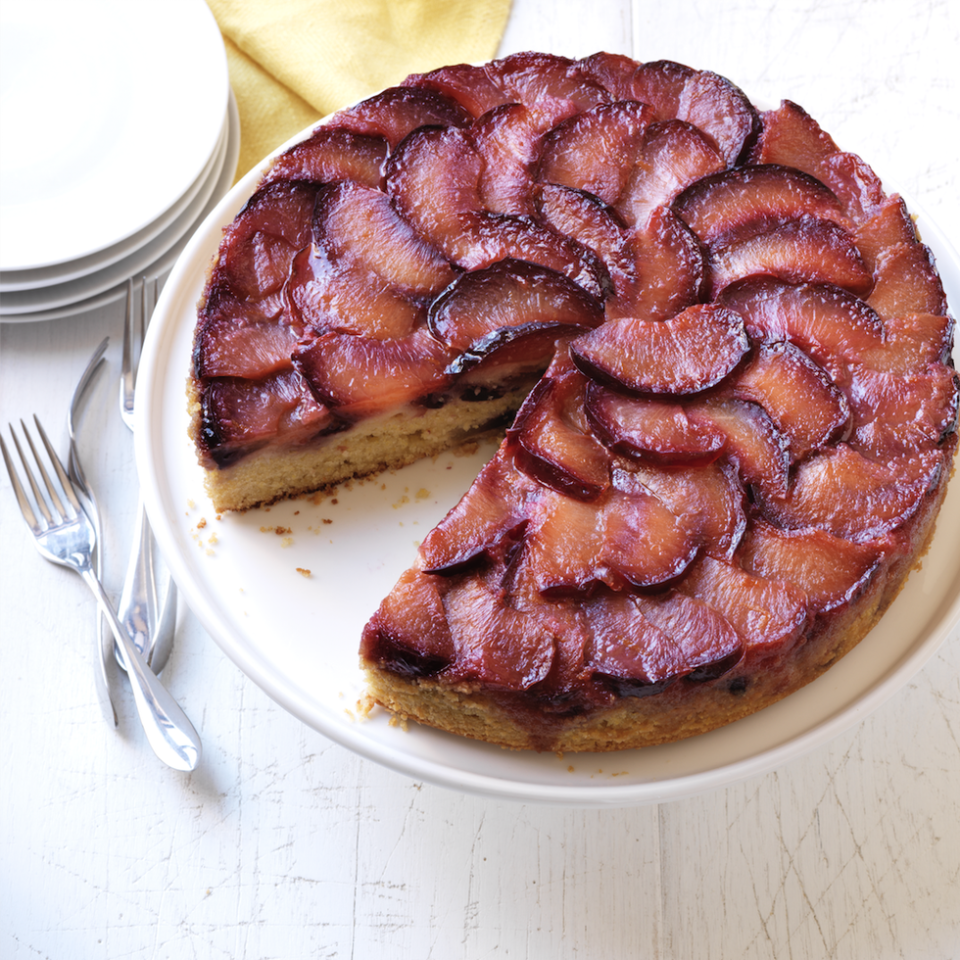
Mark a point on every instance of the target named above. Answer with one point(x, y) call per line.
point(744, 433)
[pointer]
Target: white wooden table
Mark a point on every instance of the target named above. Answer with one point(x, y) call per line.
point(283, 844)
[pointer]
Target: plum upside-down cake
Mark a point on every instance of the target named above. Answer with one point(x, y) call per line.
point(721, 353)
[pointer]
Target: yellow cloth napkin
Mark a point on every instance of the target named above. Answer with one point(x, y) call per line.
point(294, 61)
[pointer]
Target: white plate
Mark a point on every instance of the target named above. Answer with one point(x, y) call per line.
point(61, 273)
point(158, 267)
point(132, 264)
point(297, 636)
point(98, 100)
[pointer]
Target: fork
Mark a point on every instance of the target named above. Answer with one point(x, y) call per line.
point(152, 631)
point(104, 675)
point(68, 538)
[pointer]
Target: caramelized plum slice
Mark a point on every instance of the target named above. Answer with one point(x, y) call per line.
point(466, 83)
point(753, 442)
point(722, 111)
point(509, 141)
point(769, 615)
point(594, 150)
point(912, 342)
point(409, 634)
point(553, 444)
point(802, 250)
point(791, 137)
point(907, 282)
point(489, 237)
point(709, 501)
point(836, 328)
point(360, 376)
point(504, 648)
point(894, 415)
point(486, 525)
point(673, 155)
point(330, 154)
point(709, 646)
point(612, 71)
point(666, 273)
point(830, 570)
point(745, 200)
point(259, 246)
point(509, 294)
point(890, 226)
point(625, 538)
point(590, 222)
point(434, 179)
point(852, 497)
point(626, 651)
point(683, 355)
point(229, 343)
point(398, 111)
point(356, 223)
point(798, 395)
point(348, 297)
point(239, 416)
point(529, 77)
point(659, 429)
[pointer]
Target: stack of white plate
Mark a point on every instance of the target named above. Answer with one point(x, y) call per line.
point(119, 133)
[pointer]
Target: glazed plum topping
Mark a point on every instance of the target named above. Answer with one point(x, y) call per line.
point(768, 615)
point(649, 427)
point(356, 224)
point(672, 155)
point(528, 77)
point(626, 652)
point(553, 443)
point(359, 376)
point(595, 150)
point(231, 343)
point(409, 634)
point(829, 569)
point(752, 441)
point(239, 416)
point(709, 501)
point(594, 224)
point(487, 524)
point(260, 244)
point(398, 111)
point(743, 201)
point(626, 538)
point(469, 85)
point(683, 355)
point(792, 138)
point(831, 325)
point(509, 142)
point(433, 179)
point(803, 250)
point(894, 415)
point(803, 402)
point(907, 282)
point(347, 297)
point(708, 643)
point(331, 154)
point(665, 272)
point(510, 295)
point(844, 493)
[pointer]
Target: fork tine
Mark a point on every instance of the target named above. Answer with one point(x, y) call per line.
point(65, 483)
point(51, 489)
point(37, 495)
point(18, 490)
point(128, 365)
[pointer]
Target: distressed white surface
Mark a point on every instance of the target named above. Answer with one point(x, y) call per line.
point(285, 845)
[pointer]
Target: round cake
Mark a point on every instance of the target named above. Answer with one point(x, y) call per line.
point(720, 352)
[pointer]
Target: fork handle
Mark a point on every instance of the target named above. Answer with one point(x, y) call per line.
point(169, 731)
